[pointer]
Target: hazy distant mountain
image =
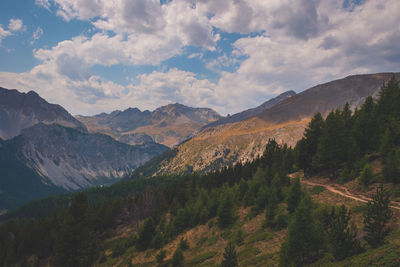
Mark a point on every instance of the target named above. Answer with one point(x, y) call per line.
point(285, 121)
point(22, 110)
point(68, 159)
point(251, 112)
point(45, 151)
point(168, 125)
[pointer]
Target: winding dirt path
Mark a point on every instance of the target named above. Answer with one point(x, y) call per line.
point(343, 191)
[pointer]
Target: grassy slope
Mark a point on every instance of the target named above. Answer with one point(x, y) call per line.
point(225, 145)
point(260, 246)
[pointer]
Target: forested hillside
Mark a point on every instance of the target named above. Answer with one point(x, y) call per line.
point(252, 214)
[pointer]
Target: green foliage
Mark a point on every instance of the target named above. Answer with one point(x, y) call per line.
point(272, 206)
point(317, 189)
point(161, 256)
point(338, 144)
point(145, 235)
point(304, 240)
point(366, 130)
point(76, 241)
point(230, 257)
point(239, 237)
point(391, 170)
point(260, 235)
point(118, 249)
point(332, 149)
point(376, 217)
point(365, 176)
point(177, 259)
point(342, 238)
point(183, 244)
point(307, 146)
point(226, 215)
point(202, 258)
point(294, 196)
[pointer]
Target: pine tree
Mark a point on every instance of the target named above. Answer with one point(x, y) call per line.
point(303, 240)
point(307, 146)
point(365, 175)
point(226, 215)
point(145, 235)
point(183, 244)
point(161, 256)
point(347, 115)
point(230, 257)
point(366, 131)
point(294, 196)
point(386, 144)
point(376, 217)
point(333, 147)
point(391, 169)
point(75, 238)
point(388, 106)
point(273, 201)
point(178, 258)
point(342, 238)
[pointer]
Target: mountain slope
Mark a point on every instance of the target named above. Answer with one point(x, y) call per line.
point(22, 110)
point(58, 159)
point(325, 97)
point(251, 112)
point(168, 125)
point(285, 122)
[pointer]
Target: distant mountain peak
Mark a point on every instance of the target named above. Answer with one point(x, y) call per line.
point(22, 110)
point(169, 124)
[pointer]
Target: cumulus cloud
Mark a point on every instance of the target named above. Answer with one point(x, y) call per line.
point(16, 25)
point(293, 45)
point(13, 26)
point(4, 33)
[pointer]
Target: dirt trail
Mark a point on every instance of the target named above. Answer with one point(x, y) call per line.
point(343, 191)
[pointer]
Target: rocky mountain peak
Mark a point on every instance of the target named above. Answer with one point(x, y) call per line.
point(22, 110)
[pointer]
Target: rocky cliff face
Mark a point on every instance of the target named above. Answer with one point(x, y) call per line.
point(45, 151)
point(285, 121)
point(22, 110)
point(69, 158)
point(168, 125)
point(51, 159)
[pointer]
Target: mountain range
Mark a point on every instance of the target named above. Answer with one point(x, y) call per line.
point(44, 151)
point(22, 110)
point(168, 125)
point(224, 144)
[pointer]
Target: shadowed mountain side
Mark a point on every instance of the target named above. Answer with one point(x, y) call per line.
point(52, 159)
point(22, 110)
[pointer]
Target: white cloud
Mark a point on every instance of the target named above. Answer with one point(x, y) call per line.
point(36, 35)
point(43, 3)
point(16, 25)
point(300, 44)
point(4, 33)
point(13, 26)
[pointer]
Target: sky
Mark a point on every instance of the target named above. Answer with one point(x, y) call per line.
point(93, 56)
